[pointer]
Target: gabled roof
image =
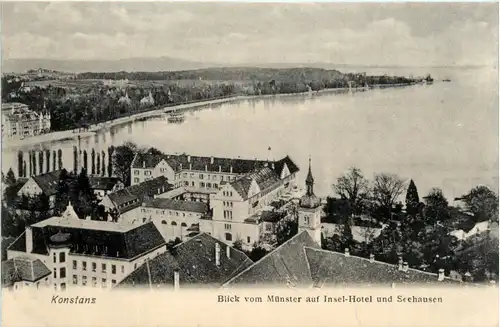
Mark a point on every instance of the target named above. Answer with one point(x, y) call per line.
point(103, 183)
point(195, 262)
point(48, 182)
point(301, 262)
point(23, 269)
point(211, 164)
point(134, 195)
point(264, 177)
point(179, 205)
point(286, 265)
point(88, 238)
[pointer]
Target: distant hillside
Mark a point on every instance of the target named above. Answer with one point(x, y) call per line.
point(225, 74)
point(77, 66)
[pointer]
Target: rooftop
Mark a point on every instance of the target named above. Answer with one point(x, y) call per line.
point(23, 269)
point(179, 205)
point(48, 182)
point(195, 262)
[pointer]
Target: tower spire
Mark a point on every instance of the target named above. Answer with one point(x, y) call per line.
point(310, 180)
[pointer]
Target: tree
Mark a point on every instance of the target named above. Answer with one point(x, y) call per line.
point(257, 253)
point(54, 158)
point(482, 203)
point(20, 164)
point(386, 190)
point(33, 158)
point(238, 244)
point(85, 159)
point(75, 159)
point(436, 206)
point(24, 169)
point(92, 158)
point(103, 168)
point(111, 150)
point(40, 161)
point(10, 178)
point(122, 159)
point(47, 158)
point(62, 192)
point(412, 199)
point(59, 159)
point(98, 168)
point(30, 163)
point(285, 230)
point(353, 187)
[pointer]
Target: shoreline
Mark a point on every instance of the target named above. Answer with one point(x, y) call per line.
point(39, 140)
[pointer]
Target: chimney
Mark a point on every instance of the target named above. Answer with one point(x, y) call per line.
point(372, 257)
point(143, 164)
point(87, 218)
point(272, 165)
point(231, 169)
point(189, 158)
point(220, 168)
point(228, 252)
point(217, 254)
point(346, 252)
point(206, 168)
point(405, 266)
point(29, 240)
point(441, 275)
point(180, 166)
point(400, 263)
point(176, 279)
point(159, 190)
point(211, 160)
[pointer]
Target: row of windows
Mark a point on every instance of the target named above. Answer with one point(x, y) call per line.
point(94, 267)
point(62, 272)
point(228, 204)
point(94, 281)
point(227, 226)
point(173, 223)
point(162, 212)
point(227, 193)
point(146, 172)
point(229, 237)
point(62, 257)
point(208, 177)
point(228, 214)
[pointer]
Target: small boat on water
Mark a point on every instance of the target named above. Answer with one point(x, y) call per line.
point(446, 80)
point(175, 117)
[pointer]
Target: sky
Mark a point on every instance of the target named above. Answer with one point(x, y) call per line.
point(408, 34)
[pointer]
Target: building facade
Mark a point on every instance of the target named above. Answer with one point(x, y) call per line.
point(18, 121)
point(87, 253)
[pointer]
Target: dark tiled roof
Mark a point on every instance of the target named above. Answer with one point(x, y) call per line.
point(335, 268)
point(132, 197)
point(113, 244)
point(264, 177)
point(23, 269)
point(212, 164)
point(195, 261)
point(272, 217)
point(179, 205)
point(48, 182)
point(286, 265)
point(103, 183)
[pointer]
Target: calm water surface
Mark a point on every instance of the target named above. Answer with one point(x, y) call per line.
point(444, 135)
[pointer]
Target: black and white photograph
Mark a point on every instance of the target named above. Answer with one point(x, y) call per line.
point(231, 145)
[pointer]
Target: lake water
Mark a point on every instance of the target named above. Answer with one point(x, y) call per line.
point(444, 135)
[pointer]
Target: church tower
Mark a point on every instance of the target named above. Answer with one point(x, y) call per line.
point(309, 210)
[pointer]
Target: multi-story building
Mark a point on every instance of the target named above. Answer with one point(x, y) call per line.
point(203, 173)
point(45, 184)
point(86, 252)
point(18, 121)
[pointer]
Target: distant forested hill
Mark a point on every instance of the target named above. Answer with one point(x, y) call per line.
point(225, 74)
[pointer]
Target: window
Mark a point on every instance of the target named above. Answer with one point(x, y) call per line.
point(177, 214)
point(136, 180)
point(174, 223)
point(103, 268)
point(94, 266)
point(192, 184)
point(214, 177)
point(62, 257)
point(186, 183)
point(113, 269)
point(136, 173)
point(55, 273)
point(216, 186)
point(306, 219)
point(183, 225)
point(75, 265)
point(104, 284)
point(201, 176)
point(143, 220)
point(84, 265)
point(163, 222)
point(248, 239)
point(123, 269)
point(209, 185)
point(113, 282)
point(227, 226)
point(62, 272)
point(269, 227)
point(202, 184)
point(147, 173)
point(75, 279)
point(94, 281)
point(184, 175)
point(229, 237)
point(54, 257)
point(84, 280)
point(63, 286)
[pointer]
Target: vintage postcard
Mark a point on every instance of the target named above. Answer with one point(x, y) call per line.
point(249, 164)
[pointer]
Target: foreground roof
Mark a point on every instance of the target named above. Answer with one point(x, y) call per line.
point(300, 262)
point(23, 269)
point(195, 262)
